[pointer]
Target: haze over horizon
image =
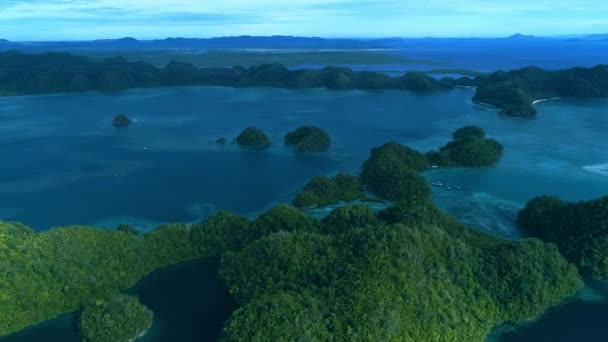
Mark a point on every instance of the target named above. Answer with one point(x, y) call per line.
point(30, 20)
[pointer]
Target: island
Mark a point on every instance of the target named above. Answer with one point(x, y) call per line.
point(469, 148)
point(120, 318)
point(580, 230)
point(121, 120)
point(308, 139)
point(45, 73)
point(322, 191)
point(253, 138)
point(392, 173)
point(514, 92)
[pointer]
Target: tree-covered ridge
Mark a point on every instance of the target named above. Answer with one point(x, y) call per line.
point(322, 191)
point(62, 72)
point(120, 318)
point(580, 230)
point(359, 278)
point(254, 138)
point(46, 274)
point(308, 139)
point(391, 172)
point(514, 91)
point(469, 148)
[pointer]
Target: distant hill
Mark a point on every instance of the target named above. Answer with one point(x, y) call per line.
point(241, 42)
point(521, 36)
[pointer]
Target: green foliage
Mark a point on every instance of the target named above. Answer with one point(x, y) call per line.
point(392, 173)
point(469, 149)
point(370, 281)
point(280, 317)
point(121, 120)
point(349, 217)
point(222, 232)
point(469, 131)
point(254, 138)
point(43, 275)
point(120, 318)
point(324, 191)
point(61, 72)
point(308, 139)
point(514, 91)
point(414, 212)
point(280, 261)
point(580, 230)
point(283, 218)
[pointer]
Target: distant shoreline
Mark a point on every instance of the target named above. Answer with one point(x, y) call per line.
point(544, 100)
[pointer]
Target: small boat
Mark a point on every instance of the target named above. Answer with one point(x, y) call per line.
point(437, 184)
point(457, 188)
point(449, 188)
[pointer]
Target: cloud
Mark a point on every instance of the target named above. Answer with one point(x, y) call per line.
point(78, 19)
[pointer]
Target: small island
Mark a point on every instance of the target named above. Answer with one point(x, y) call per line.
point(469, 148)
point(308, 139)
point(580, 230)
point(322, 191)
point(121, 120)
point(120, 318)
point(253, 138)
point(392, 173)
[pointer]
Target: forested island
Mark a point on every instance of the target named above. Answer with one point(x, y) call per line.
point(469, 148)
point(62, 72)
point(121, 120)
point(253, 138)
point(120, 318)
point(580, 230)
point(515, 91)
point(308, 139)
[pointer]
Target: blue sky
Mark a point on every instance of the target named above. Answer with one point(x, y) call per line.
point(144, 19)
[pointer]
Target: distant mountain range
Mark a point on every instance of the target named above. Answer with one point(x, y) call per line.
point(242, 42)
point(269, 42)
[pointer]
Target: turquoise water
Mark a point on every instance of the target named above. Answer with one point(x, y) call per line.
point(64, 163)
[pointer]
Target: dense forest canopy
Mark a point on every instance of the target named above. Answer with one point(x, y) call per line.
point(330, 190)
point(514, 91)
point(579, 229)
point(308, 139)
point(62, 72)
point(120, 318)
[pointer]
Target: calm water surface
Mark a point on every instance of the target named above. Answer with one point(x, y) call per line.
point(64, 163)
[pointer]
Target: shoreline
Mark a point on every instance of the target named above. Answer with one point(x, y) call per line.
point(544, 100)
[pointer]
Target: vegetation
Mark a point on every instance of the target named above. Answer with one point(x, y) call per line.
point(120, 318)
point(580, 230)
point(121, 120)
point(46, 274)
point(514, 91)
point(308, 139)
point(359, 279)
point(392, 173)
point(61, 72)
point(223, 58)
point(325, 190)
point(254, 138)
point(469, 148)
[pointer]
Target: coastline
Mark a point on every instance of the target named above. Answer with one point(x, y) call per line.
point(544, 100)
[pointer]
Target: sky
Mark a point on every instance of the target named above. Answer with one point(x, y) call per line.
point(147, 19)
